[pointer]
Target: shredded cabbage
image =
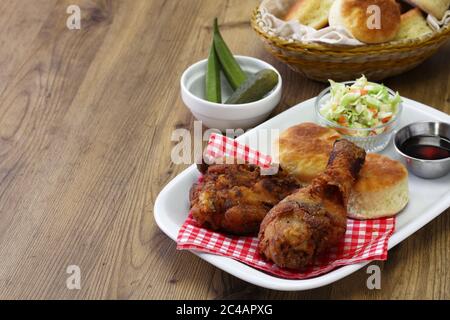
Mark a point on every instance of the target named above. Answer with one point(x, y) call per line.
point(364, 104)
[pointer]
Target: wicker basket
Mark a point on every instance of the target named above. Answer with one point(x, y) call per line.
point(322, 62)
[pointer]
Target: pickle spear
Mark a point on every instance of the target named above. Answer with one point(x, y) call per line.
point(213, 88)
point(230, 67)
point(255, 87)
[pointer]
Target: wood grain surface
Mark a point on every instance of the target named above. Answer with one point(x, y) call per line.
point(86, 118)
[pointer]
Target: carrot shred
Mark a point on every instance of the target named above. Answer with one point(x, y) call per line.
point(362, 92)
point(386, 120)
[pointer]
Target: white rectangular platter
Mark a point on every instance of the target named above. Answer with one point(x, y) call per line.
point(428, 199)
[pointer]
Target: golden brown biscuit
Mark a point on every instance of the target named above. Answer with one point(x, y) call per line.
point(436, 8)
point(413, 25)
point(305, 149)
point(356, 17)
point(313, 13)
point(381, 189)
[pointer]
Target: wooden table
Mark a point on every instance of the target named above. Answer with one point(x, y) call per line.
point(86, 118)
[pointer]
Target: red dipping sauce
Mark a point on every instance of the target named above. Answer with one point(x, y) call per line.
point(420, 148)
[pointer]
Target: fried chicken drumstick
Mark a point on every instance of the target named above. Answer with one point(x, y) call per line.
point(314, 219)
point(235, 198)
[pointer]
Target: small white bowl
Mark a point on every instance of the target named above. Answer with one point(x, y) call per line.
point(227, 116)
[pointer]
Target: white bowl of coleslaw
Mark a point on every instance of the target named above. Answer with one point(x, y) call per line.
point(363, 112)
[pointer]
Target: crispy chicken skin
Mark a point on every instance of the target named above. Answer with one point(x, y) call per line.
point(235, 198)
point(314, 219)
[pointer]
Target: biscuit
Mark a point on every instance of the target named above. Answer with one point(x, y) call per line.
point(313, 13)
point(304, 150)
point(436, 8)
point(381, 189)
point(413, 25)
point(355, 16)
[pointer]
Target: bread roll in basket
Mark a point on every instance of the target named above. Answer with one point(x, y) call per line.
point(321, 61)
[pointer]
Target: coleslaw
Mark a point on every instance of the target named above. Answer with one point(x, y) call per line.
point(361, 105)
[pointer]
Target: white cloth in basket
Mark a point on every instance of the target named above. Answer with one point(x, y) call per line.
point(270, 22)
point(292, 30)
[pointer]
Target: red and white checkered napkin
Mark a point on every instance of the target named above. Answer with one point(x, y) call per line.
point(220, 146)
point(365, 240)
